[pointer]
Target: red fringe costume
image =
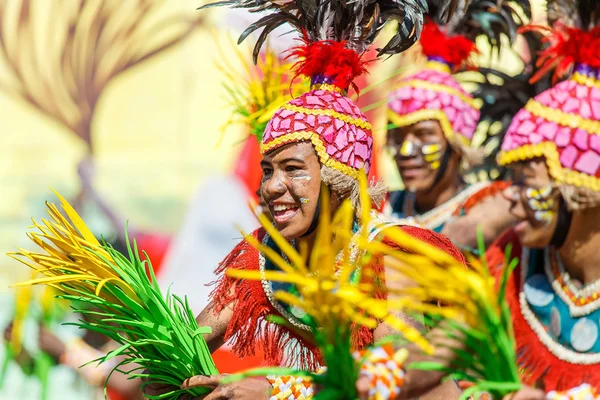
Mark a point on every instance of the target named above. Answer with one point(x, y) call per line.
point(250, 332)
point(538, 363)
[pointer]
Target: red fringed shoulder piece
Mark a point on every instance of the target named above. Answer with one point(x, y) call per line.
point(489, 191)
point(329, 59)
point(248, 329)
point(535, 360)
point(455, 50)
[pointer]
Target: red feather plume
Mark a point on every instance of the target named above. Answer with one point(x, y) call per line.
point(455, 50)
point(567, 46)
point(329, 59)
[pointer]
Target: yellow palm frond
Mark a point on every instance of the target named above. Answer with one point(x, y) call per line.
point(73, 255)
point(258, 91)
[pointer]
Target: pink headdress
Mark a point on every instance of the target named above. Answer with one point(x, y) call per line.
point(338, 130)
point(562, 123)
point(434, 94)
point(325, 116)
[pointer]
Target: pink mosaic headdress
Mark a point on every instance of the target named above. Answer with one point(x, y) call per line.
point(336, 35)
point(338, 130)
point(562, 123)
point(433, 93)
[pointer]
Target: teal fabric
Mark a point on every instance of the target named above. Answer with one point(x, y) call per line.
point(579, 334)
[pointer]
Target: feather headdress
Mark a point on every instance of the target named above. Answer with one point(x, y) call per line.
point(355, 23)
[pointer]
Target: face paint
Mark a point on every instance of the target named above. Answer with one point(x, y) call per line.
point(542, 203)
point(304, 200)
point(407, 149)
point(432, 154)
point(302, 178)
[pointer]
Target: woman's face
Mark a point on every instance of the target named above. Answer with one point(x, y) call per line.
point(534, 202)
point(290, 187)
point(418, 150)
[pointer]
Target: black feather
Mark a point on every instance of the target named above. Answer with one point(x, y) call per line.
point(490, 18)
point(355, 21)
point(502, 96)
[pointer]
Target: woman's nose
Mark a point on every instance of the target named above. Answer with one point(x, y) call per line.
point(275, 185)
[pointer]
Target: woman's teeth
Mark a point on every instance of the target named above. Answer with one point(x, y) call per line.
point(283, 213)
point(282, 207)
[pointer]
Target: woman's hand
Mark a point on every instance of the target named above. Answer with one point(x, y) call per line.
point(248, 388)
point(155, 389)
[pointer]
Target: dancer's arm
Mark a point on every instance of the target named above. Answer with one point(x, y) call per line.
point(217, 322)
point(492, 216)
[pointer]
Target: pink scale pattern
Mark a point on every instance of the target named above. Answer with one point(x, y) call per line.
point(344, 142)
point(578, 149)
point(408, 99)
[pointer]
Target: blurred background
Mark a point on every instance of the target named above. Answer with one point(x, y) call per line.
point(119, 106)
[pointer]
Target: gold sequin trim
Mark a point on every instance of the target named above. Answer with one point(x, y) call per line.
point(585, 80)
point(329, 88)
point(439, 88)
point(550, 152)
point(562, 118)
point(438, 66)
point(319, 148)
point(361, 123)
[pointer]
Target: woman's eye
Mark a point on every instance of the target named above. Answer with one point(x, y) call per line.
point(292, 168)
point(267, 171)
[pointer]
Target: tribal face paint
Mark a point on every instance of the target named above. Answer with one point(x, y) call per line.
point(418, 151)
point(542, 203)
point(432, 154)
point(302, 178)
point(534, 202)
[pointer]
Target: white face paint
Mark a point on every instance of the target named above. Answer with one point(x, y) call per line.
point(542, 203)
point(302, 178)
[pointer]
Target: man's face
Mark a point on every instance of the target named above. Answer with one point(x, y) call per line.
point(418, 150)
point(535, 203)
point(290, 187)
